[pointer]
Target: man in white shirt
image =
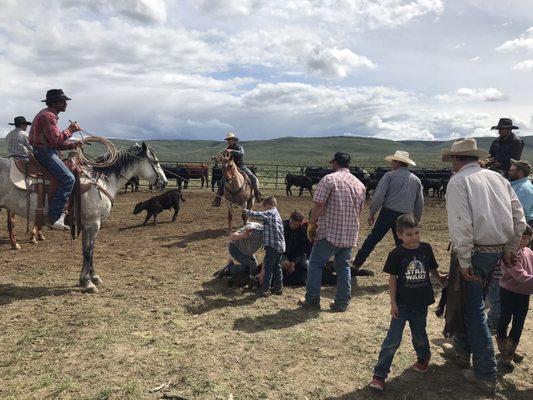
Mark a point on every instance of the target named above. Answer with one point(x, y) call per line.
point(485, 223)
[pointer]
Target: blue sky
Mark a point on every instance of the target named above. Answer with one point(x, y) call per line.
point(154, 69)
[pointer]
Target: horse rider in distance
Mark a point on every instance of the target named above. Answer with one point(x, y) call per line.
point(237, 152)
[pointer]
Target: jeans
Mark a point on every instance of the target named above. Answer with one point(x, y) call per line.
point(320, 254)
point(515, 307)
point(247, 264)
point(273, 272)
point(493, 297)
point(417, 323)
point(253, 178)
point(477, 339)
point(386, 221)
point(298, 277)
point(49, 158)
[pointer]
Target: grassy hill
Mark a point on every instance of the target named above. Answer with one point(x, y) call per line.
point(365, 151)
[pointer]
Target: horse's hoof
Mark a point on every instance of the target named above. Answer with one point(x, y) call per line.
point(96, 280)
point(89, 287)
point(41, 237)
point(33, 240)
point(16, 246)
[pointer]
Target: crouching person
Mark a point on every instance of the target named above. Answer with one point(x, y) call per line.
point(294, 261)
point(516, 285)
point(243, 244)
point(408, 266)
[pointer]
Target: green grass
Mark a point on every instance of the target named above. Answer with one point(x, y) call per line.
point(367, 152)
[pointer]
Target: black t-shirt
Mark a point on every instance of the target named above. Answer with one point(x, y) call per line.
point(411, 267)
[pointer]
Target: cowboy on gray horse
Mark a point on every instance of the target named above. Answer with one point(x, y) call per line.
point(237, 152)
point(47, 140)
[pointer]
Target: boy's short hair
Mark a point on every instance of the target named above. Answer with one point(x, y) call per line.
point(296, 216)
point(270, 201)
point(528, 231)
point(406, 221)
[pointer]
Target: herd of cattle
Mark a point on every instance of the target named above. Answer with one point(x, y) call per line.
point(434, 181)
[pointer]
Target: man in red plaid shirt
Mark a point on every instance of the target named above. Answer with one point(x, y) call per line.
point(338, 201)
point(47, 139)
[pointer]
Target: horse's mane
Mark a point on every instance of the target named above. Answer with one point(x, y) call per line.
point(125, 158)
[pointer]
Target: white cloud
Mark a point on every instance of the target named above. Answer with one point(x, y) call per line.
point(524, 42)
point(468, 94)
point(525, 66)
point(475, 59)
point(336, 63)
point(141, 10)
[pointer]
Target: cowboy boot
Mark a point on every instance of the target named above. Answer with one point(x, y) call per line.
point(518, 357)
point(506, 359)
point(511, 347)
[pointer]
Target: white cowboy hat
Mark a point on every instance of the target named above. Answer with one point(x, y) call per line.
point(401, 156)
point(231, 135)
point(464, 147)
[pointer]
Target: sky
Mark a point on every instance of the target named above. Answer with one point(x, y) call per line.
point(196, 69)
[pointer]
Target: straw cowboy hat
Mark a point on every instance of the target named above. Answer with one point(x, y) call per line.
point(401, 156)
point(231, 135)
point(464, 147)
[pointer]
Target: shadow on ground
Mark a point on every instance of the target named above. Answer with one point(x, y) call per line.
point(282, 319)
point(10, 293)
point(440, 382)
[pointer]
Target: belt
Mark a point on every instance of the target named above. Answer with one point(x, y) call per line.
point(481, 248)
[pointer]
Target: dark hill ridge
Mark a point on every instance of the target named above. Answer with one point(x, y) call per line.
point(309, 151)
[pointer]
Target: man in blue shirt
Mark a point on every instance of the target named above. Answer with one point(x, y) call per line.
point(519, 177)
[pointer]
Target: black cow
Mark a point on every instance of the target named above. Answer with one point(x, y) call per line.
point(181, 174)
point(317, 173)
point(157, 204)
point(133, 183)
point(431, 184)
point(301, 181)
point(216, 176)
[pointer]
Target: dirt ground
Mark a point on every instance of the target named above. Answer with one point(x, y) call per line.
point(160, 317)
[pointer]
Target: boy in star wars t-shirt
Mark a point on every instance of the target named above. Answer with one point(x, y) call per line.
point(411, 292)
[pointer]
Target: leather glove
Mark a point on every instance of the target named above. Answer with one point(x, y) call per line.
point(311, 232)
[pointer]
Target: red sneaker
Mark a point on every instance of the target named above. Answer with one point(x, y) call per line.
point(421, 366)
point(377, 383)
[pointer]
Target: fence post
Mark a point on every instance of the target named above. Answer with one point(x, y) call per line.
point(277, 170)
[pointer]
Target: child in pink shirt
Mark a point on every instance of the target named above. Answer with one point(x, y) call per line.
point(516, 285)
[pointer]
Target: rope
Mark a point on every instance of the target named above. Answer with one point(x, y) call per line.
point(113, 152)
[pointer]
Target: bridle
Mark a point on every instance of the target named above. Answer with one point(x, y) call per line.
point(225, 159)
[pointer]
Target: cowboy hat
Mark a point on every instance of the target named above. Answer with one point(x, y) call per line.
point(20, 120)
point(231, 135)
point(464, 147)
point(53, 95)
point(341, 158)
point(401, 156)
point(523, 165)
point(505, 123)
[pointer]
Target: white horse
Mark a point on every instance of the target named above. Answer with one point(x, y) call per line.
point(96, 203)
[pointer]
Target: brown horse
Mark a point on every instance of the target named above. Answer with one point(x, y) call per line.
point(237, 188)
point(36, 234)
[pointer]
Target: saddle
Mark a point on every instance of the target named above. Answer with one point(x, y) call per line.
point(34, 178)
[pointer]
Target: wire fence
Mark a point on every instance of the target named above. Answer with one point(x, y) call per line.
point(270, 176)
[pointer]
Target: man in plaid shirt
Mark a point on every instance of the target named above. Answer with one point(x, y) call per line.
point(274, 241)
point(338, 201)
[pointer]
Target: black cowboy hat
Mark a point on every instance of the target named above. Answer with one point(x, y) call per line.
point(20, 120)
point(53, 95)
point(342, 159)
point(505, 123)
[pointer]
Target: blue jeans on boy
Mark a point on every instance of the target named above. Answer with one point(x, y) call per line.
point(320, 254)
point(477, 340)
point(386, 221)
point(273, 272)
point(417, 318)
point(49, 158)
point(494, 303)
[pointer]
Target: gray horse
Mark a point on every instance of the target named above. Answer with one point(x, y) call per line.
point(95, 203)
